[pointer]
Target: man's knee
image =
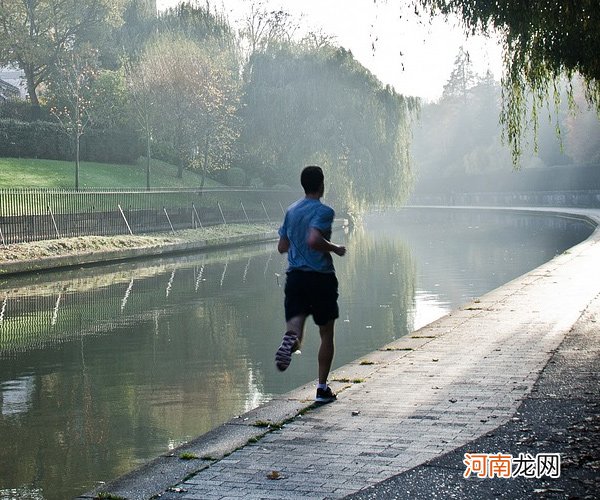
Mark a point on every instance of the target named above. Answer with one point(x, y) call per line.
point(327, 329)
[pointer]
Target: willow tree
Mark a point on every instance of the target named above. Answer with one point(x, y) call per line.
point(304, 104)
point(544, 41)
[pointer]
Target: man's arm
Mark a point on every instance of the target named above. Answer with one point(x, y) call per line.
point(283, 245)
point(318, 242)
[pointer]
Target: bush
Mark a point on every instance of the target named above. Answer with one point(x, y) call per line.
point(33, 140)
point(111, 146)
point(44, 139)
point(23, 111)
point(235, 176)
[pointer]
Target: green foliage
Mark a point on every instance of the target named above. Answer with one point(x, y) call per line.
point(47, 140)
point(197, 23)
point(34, 35)
point(235, 176)
point(307, 105)
point(33, 140)
point(23, 111)
point(544, 40)
point(139, 25)
point(110, 96)
point(194, 93)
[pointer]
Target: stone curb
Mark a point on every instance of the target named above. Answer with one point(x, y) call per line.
point(167, 470)
point(63, 261)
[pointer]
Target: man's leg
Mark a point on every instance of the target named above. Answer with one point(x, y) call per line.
point(326, 350)
point(291, 342)
point(296, 325)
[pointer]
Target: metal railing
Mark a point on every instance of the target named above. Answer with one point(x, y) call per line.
point(40, 214)
point(567, 198)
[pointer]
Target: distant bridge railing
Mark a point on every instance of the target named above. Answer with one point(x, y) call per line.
point(41, 214)
point(568, 198)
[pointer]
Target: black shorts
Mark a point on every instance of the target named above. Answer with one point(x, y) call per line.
point(309, 292)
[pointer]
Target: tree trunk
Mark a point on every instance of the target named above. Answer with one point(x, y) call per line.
point(148, 161)
point(77, 143)
point(205, 159)
point(180, 169)
point(32, 91)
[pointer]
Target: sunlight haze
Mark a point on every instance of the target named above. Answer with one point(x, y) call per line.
point(412, 54)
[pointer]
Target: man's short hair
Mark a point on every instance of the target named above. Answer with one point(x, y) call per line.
point(312, 179)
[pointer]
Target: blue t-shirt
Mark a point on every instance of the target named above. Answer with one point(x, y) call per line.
point(299, 218)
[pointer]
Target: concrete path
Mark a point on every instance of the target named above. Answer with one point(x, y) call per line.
point(411, 401)
point(560, 415)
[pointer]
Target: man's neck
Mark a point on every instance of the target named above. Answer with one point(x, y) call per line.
point(313, 196)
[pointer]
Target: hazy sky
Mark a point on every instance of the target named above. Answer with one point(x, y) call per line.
point(413, 55)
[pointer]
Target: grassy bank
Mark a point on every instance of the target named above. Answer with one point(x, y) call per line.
point(86, 244)
point(31, 173)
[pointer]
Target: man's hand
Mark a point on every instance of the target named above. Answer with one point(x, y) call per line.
point(339, 250)
point(283, 245)
point(318, 242)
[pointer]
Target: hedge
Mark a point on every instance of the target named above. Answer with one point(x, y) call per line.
point(43, 139)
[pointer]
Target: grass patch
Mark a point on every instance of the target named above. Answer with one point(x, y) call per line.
point(398, 349)
point(34, 173)
point(349, 381)
point(423, 337)
point(188, 456)
point(304, 411)
point(367, 362)
point(269, 425)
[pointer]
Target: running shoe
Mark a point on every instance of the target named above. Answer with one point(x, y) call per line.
point(325, 395)
point(283, 356)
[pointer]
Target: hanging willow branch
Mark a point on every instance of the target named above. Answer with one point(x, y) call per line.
point(544, 42)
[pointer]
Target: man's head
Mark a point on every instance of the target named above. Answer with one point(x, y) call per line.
point(312, 180)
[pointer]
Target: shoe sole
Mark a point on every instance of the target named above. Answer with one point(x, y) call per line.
point(283, 356)
point(325, 401)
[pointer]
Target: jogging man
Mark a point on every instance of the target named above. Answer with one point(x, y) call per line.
point(311, 286)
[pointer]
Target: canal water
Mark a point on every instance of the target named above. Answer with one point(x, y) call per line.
point(103, 368)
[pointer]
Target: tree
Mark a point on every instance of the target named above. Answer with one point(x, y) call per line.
point(35, 34)
point(140, 104)
point(544, 40)
point(262, 28)
point(462, 78)
point(193, 92)
point(73, 89)
point(305, 105)
point(197, 23)
point(139, 25)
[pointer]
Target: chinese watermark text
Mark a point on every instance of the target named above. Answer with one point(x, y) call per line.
point(503, 465)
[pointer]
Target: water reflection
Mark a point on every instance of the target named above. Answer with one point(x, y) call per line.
point(103, 368)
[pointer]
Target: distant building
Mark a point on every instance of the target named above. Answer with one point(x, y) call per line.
point(12, 84)
point(8, 91)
